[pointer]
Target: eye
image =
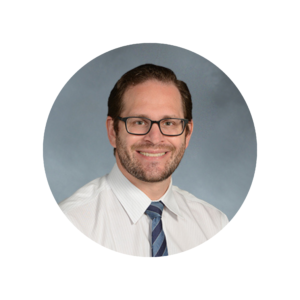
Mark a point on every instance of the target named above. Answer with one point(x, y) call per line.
point(140, 122)
point(168, 123)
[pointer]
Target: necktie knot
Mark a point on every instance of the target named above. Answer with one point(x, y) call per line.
point(155, 210)
point(159, 244)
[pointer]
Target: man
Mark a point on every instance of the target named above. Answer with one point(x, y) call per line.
point(135, 209)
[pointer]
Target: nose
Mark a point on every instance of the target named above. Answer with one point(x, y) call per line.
point(154, 135)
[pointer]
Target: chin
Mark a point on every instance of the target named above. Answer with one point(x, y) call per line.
point(156, 175)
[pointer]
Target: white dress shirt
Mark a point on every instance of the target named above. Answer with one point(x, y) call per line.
point(111, 211)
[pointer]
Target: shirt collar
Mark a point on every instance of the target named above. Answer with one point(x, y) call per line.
point(134, 201)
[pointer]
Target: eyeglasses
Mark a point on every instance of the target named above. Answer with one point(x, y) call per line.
point(141, 126)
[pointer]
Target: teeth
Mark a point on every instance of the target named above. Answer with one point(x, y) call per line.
point(153, 154)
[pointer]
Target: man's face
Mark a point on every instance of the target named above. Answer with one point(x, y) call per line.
point(152, 157)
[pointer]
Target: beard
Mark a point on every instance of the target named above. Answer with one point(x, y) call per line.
point(149, 171)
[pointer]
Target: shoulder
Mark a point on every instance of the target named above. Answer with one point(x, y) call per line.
point(85, 195)
point(200, 207)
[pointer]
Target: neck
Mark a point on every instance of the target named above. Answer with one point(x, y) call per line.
point(154, 190)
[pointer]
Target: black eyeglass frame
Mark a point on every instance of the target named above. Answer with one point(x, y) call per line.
point(185, 122)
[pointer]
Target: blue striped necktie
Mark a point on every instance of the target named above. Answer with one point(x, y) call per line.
point(159, 244)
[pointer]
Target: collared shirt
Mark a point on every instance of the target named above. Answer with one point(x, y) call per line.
point(111, 211)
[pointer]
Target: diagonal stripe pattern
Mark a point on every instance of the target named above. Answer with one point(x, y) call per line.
point(159, 243)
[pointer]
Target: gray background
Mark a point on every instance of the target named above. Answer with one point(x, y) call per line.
point(218, 165)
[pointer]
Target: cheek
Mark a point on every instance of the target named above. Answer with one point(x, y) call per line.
point(132, 140)
point(181, 142)
point(127, 140)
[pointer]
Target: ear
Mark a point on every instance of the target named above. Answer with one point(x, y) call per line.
point(110, 131)
point(188, 136)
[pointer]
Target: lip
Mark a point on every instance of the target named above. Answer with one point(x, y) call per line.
point(155, 153)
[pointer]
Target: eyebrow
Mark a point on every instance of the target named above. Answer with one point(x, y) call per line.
point(164, 117)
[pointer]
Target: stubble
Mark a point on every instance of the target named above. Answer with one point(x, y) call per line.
point(150, 172)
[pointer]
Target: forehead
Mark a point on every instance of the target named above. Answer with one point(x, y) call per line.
point(154, 99)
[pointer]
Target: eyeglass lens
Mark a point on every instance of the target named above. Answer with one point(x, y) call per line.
point(167, 126)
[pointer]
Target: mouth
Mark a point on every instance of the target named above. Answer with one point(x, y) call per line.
point(152, 154)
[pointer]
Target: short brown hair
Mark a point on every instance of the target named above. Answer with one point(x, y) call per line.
point(139, 75)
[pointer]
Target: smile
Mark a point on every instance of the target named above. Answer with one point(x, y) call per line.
point(152, 154)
